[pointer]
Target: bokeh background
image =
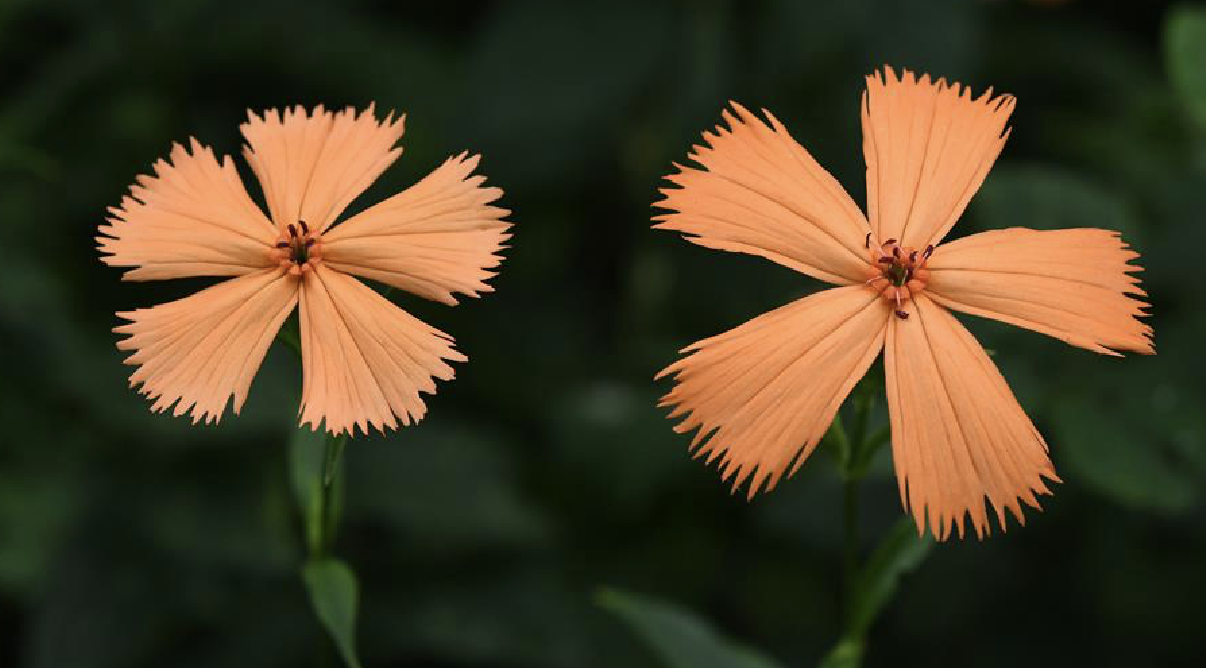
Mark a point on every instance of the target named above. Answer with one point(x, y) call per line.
point(544, 472)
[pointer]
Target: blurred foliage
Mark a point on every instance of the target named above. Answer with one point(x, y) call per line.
point(545, 470)
point(334, 594)
point(678, 638)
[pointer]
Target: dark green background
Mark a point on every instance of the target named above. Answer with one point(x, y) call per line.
point(545, 471)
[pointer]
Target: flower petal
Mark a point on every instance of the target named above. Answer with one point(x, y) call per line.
point(763, 394)
point(928, 146)
point(199, 351)
point(311, 166)
point(192, 218)
point(435, 238)
point(1069, 284)
point(761, 193)
point(958, 433)
point(364, 360)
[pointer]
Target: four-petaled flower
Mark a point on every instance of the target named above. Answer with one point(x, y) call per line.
point(763, 394)
point(364, 360)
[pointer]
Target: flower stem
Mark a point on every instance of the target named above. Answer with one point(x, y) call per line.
point(868, 584)
point(850, 509)
point(848, 652)
point(331, 484)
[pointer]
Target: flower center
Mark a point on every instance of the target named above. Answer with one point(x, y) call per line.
point(298, 249)
point(898, 273)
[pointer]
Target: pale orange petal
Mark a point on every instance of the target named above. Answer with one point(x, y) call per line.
point(193, 218)
point(199, 351)
point(364, 360)
point(958, 434)
point(1069, 284)
point(928, 146)
point(311, 166)
point(761, 193)
point(436, 238)
point(763, 394)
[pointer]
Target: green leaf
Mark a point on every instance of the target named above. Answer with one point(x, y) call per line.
point(1185, 54)
point(333, 593)
point(307, 459)
point(1046, 198)
point(453, 458)
point(676, 636)
point(900, 551)
point(1133, 458)
point(847, 653)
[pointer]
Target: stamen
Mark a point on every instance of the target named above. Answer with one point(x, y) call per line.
point(898, 274)
point(305, 228)
point(292, 230)
point(282, 244)
point(867, 241)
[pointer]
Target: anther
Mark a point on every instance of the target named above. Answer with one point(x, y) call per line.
point(292, 230)
point(309, 242)
point(896, 251)
point(867, 242)
point(889, 242)
point(305, 228)
point(885, 260)
point(282, 244)
point(929, 250)
point(913, 256)
point(903, 315)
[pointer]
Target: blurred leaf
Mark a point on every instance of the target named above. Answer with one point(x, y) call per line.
point(306, 460)
point(899, 552)
point(1132, 464)
point(679, 638)
point(1044, 198)
point(450, 485)
point(247, 527)
point(333, 592)
point(1185, 53)
point(589, 418)
point(104, 605)
point(847, 653)
point(574, 96)
point(511, 614)
point(36, 510)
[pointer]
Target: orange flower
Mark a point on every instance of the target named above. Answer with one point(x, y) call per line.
point(364, 360)
point(763, 394)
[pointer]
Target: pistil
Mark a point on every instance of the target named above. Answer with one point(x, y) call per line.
point(898, 273)
point(297, 249)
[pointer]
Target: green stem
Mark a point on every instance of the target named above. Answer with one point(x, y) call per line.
point(847, 653)
point(851, 645)
point(851, 541)
point(332, 486)
point(868, 584)
point(330, 475)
